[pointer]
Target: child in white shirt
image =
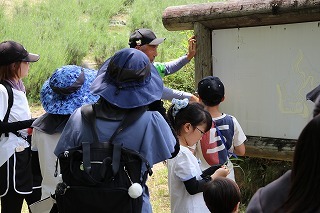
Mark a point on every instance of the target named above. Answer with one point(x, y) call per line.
point(186, 180)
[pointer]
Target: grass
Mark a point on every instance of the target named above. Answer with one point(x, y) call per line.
point(158, 186)
point(71, 32)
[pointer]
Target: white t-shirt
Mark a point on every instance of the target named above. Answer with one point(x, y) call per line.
point(20, 111)
point(181, 168)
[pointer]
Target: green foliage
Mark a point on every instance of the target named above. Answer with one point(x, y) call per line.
point(256, 173)
point(62, 32)
point(184, 79)
point(69, 32)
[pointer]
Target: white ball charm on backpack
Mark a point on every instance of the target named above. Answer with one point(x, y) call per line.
point(135, 190)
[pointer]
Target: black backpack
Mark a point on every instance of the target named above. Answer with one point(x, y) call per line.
point(97, 176)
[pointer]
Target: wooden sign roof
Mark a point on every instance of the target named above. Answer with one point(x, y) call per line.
point(241, 13)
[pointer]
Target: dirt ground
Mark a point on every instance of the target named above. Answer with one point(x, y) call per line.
point(36, 110)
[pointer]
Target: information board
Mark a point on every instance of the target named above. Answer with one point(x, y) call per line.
point(267, 72)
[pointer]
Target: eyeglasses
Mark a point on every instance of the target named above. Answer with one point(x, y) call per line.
point(202, 132)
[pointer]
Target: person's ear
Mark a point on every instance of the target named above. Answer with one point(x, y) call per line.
point(13, 66)
point(222, 99)
point(187, 127)
point(236, 208)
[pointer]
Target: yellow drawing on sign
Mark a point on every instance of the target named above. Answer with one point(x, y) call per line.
point(292, 93)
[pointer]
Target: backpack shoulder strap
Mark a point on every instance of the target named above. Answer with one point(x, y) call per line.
point(129, 119)
point(223, 141)
point(87, 111)
point(10, 102)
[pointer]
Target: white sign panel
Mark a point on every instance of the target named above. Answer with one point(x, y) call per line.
point(267, 72)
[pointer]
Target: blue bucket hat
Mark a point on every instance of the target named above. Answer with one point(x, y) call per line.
point(128, 80)
point(68, 89)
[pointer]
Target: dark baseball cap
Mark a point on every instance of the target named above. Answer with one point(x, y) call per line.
point(144, 36)
point(210, 88)
point(11, 51)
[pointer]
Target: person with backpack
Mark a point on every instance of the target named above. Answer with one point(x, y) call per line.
point(185, 178)
point(127, 83)
point(16, 179)
point(226, 137)
point(67, 89)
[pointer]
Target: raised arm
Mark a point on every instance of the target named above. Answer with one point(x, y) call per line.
point(171, 67)
point(192, 47)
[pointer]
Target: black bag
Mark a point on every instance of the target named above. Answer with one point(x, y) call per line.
point(27, 167)
point(96, 176)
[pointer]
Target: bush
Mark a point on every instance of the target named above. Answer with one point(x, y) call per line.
point(67, 32)
point(62, 32)
point(256, 173)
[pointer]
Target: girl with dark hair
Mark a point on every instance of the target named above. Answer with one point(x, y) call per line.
point(298, 189)
point(222, 195)
point(186, 182)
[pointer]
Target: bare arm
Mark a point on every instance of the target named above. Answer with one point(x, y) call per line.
point(240, 150)
point(171, 67)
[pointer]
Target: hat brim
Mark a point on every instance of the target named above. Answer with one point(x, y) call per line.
point(31, 58)
point(104, 66)
point(157, 41)
point(54, 103)
point(129, 98)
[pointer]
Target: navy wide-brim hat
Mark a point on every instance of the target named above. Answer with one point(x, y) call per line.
point(68, 89)
point(128, 80)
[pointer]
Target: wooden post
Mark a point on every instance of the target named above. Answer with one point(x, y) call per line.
point(203, 58)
